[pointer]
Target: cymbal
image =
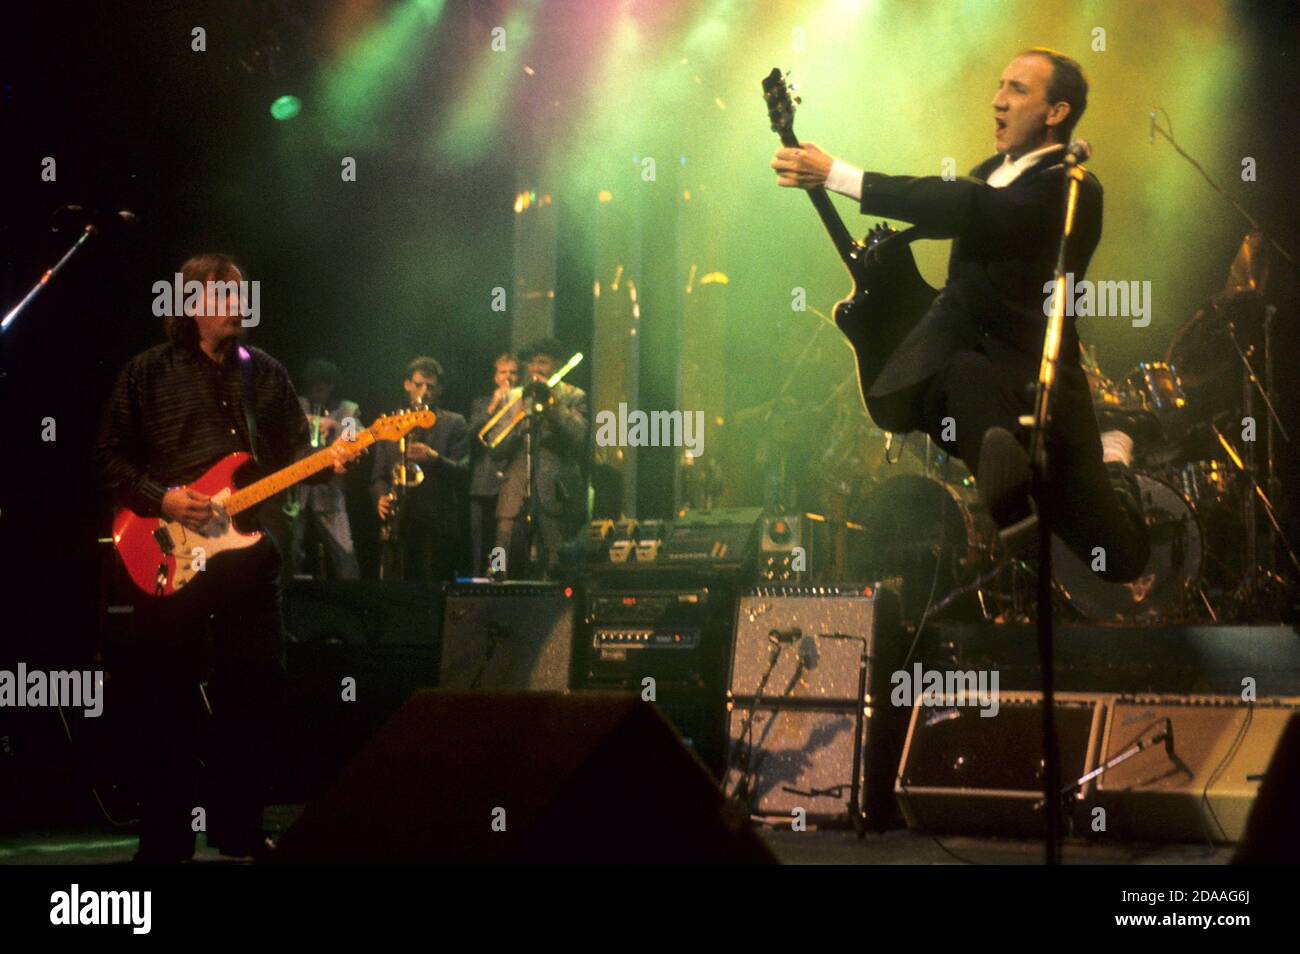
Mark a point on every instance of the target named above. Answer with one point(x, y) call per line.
point(1202, 348)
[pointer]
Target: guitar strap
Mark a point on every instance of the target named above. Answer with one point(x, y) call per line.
point(909, 235)
point(250, 418)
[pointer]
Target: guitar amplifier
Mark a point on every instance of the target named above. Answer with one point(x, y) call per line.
point(964, 773)
point(797, 738)
point(1201, 783)
point(675, 635)
point(511, 635)
point(804, 643)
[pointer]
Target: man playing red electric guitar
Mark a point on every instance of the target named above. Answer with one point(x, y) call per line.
point(175, 410)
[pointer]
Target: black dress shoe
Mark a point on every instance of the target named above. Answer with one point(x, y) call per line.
point(260, 849)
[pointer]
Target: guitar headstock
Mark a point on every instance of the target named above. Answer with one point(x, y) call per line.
point(393, 427)
point(780, 105)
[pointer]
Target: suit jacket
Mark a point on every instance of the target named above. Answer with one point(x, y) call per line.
point(327, 497)
point(1003, 253)
point(485, 470)
point(437, 501)
point(560, 490)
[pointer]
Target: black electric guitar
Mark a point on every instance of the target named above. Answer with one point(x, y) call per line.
point(889, 295)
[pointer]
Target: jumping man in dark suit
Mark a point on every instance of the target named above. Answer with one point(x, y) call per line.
point(972, 360)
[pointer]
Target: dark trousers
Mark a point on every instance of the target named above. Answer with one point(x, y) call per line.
point(424, 550)
point(227, 621)
point(512, 537)
point(482, 529)
point(1086, 511)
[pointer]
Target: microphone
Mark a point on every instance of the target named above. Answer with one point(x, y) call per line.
point(1167, 737)
point(791, 635)
point(1151, 133)
point(1079, 151)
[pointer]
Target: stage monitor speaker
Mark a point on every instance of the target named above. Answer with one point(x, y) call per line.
point(523, 777)
point(964, 773)
point(1201, 784)
point(508, 636)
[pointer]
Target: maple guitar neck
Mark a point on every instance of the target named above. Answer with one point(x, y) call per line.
point(830, 216)
point(260, 490)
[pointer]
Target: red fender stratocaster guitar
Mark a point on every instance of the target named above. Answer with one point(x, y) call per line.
point(162, 556)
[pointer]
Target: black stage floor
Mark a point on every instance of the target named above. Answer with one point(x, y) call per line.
point(812, 847)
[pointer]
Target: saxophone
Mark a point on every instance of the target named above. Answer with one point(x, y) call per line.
point(405, 474)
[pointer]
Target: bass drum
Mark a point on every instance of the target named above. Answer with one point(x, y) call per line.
point(933, 534)
point(1171, 576)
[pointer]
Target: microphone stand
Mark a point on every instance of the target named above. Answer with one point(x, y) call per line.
point(86, 234)
point(530, 499)
point(1039, 423)
point(1141, 744)
point(533, 411)
point(1258, 577)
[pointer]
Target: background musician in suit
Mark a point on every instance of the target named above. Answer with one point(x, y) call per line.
point(427, 539)
point(560, 502)
point(322, 509)
point(485, 471)
point(973, 358)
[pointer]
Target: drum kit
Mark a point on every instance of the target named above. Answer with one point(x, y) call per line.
point(1202, 487)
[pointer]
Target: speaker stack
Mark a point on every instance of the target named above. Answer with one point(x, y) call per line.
point(808, 729)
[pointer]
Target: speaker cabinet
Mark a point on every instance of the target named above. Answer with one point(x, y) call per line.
point(1199, 787)
point(508, 636)
point(531, 777)
point(356, 652)
point(787, 759)
point(965, 773)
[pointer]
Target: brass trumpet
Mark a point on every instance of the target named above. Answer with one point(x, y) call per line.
point(523, 400)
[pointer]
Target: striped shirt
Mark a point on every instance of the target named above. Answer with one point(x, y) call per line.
point(174, 413)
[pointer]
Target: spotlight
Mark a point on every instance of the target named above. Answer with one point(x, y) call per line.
point(286, 107)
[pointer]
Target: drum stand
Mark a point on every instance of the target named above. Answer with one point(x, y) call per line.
point(1259, 581)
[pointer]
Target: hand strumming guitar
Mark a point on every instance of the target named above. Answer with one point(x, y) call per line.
point(187, 507)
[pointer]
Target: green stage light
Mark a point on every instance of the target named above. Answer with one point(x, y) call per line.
point(286, 107)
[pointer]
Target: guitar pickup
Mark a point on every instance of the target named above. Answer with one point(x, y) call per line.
point(163, 539)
